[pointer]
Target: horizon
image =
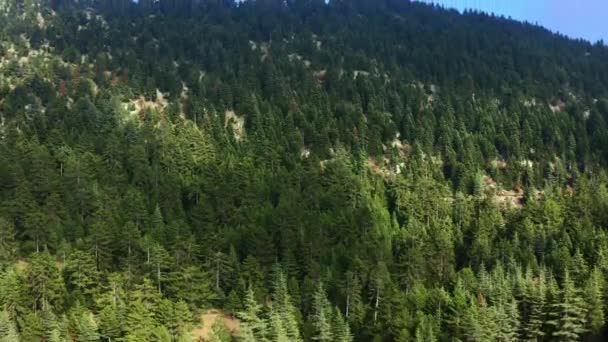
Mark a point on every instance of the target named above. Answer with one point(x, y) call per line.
point(572, 19)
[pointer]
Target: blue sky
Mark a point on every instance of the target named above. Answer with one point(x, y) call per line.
point(586, 19)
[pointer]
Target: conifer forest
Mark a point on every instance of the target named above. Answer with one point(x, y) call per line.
point(298, 170)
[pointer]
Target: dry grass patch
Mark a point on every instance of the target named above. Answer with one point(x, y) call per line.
point(208, 318)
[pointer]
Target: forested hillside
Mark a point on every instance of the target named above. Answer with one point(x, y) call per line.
point(352, 171)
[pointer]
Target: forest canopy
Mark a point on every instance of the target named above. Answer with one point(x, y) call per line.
point(302, 171)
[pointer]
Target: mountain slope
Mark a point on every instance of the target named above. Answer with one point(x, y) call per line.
point(347, 171)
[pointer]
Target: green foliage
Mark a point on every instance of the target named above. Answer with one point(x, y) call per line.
point(253, 324)
point(8, 329)
point(568, 312)
point(594, 297)
point(219, 332)
point(331, 171)
point(8, 243)
point(321, 316)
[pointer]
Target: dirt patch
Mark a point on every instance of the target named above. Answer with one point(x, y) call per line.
point(358, 73)
point(557, 106)
point(297, 58)
point(203, 331)
point(236, 123)
point(402, 147)
point(253, 45)
point(586, 114)
point(530, 103)
point(305, 153)
point(499, 164)
point(265, 49)
point(383, 167)
point(510, 198)
point(21, 265)
point(527, 163)
point(320, 75)
point(138, 106)
point(315, 40)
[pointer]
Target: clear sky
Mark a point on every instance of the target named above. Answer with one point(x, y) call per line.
point(586, 19)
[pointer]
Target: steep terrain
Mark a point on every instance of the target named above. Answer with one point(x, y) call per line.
point(295, 170)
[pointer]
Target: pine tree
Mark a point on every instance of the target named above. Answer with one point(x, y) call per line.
point(110, 325)
point(44, 282)
point(321, 316)
point(129, 235)
point(284, 309)
point(160, 334)
point(176, 317)
point(425, 330)
point(507, 320)
point(457, 309)
point(252, 322)
point(476, 321)
point(55, 328)
point(245, 334)
point(341, 329)
point(37, 229)
point(32, 328)
point(277, 329)
point(353, 307)
point(8, 329)
point(594, 298)
point(182, 318)
point(13, 291)
point(139, 322)
point(379, 284)
point(86, 327)
point(8, 245)
point(220, 265)
point(102, 242)
point(159, 262)
point(568, 312)
point(532, 305)
point(146, 293)
point(157, 226)
point(81, 273)
point(219, 333)
point(191, 285)
point(233, 302)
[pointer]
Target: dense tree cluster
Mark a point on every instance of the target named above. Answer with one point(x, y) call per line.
point(351, 171)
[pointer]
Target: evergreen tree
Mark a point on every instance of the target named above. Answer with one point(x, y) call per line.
point(284, 310)
point(253, 324)
point(321, 316)
point(161, 334)
point(220, 266)
point(351, 288)
point(44, 282)
point(341, 330)
point(85, 327)
point(8, 244)
point(568, 312)
point(532, 305)
point(8, 329)
point(508, 322)
point(81, 273)
point(594, 300)
point(457, 309)
point(277, 329)
point(32, 328)
point(139, 322)
point(147, 175)
point(219, 333)
point(110, 325)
